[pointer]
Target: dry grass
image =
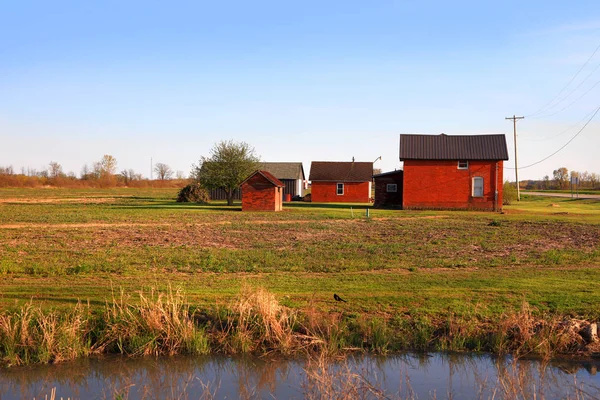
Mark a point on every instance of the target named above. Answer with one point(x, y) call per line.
point(527, 333)
point(256, 321)
point(161, 323)
point(32, 335)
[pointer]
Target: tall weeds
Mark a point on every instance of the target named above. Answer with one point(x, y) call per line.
point(31, 335)
point(256, 321)
point(161, 323)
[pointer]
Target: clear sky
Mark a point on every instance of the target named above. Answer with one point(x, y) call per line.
point(298, 80)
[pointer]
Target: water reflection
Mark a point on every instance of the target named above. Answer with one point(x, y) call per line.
point(410, 376)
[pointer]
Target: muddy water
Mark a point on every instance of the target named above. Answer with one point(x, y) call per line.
point(408, 376)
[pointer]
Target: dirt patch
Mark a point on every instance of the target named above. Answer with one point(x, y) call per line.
point(394, 242)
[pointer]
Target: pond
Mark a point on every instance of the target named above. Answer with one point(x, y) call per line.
point(408, 376)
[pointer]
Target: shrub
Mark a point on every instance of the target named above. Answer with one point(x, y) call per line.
point(509, 193)
point(193, 193)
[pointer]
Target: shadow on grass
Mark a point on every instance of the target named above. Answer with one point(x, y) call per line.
point(347, 206)
point(237, 206)
point(173, 205)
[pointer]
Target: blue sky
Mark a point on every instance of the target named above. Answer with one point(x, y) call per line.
point(300, 81)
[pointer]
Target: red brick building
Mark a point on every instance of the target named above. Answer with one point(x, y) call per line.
point(341, 182)
point(261, 191)
point(453, 172)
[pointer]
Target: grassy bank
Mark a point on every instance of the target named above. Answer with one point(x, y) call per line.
point(403, 271)
point(157, 323)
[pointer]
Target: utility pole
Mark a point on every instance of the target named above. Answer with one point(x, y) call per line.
point(515, 118)
point(151, 167)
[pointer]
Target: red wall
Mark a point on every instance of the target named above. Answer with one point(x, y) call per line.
point(354, 192)
point(258, 194)
point(440, 184)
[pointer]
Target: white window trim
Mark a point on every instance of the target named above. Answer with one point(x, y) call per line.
point(463, 161)
point(337, 186)
point(387, 188)
point(473, 186)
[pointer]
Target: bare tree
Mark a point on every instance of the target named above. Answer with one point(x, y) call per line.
point(129, 175)
point(163, 171)
point(594, 179)
point(6, 170)
point(108, 165)
point(55, 170)
point(85, 172)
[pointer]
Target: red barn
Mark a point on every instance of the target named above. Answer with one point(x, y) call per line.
point(261, 191)
point(453, 172)
point(341, 182)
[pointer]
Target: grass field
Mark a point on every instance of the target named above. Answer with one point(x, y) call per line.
point(60, 246)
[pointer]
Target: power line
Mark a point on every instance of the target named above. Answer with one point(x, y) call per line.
point(565, 145)
point(561, 132)
point(543, 108)
point(571, 103)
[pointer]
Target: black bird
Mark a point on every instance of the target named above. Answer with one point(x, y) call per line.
point(338, 298)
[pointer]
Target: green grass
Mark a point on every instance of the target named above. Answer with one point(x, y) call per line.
point(58, 246)
point(413, 279)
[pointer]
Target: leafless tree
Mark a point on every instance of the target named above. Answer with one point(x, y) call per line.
point(8, 170)
point(163, 171)
point(55, 170)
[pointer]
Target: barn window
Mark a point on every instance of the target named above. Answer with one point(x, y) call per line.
point(463, 164)
point(478, 186)
point(340, 188)
point(391, 188)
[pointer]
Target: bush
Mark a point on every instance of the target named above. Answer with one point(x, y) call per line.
point(193, 193)
point(509, 193)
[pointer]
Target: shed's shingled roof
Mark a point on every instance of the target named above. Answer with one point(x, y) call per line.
point(285, 170)
point(268, 176)
point(341, 171)
point(450, 147)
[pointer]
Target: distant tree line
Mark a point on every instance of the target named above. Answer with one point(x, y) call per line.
point(102, 174)
point(227, 165)
point(561, 180)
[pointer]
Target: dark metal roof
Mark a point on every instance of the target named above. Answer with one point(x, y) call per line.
point(267, 175)
point(285, 170)
point(340, 171)
point(396, 172)
point(447, 147)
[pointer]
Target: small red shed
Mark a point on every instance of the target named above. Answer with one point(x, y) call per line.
point(453, 172)
point(341, 182)
point(261, 191)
